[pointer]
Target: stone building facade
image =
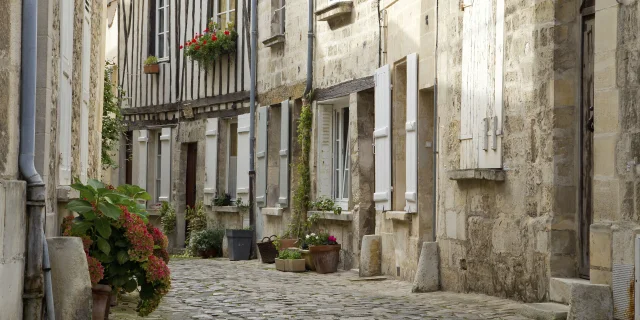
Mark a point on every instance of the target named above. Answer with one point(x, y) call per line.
point(70, 65)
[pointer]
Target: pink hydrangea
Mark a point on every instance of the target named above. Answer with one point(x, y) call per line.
point(157, 271)
point(137, 234)
point(96, 270)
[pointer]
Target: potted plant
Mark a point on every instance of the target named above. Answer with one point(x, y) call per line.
point(214, 42)
point(206, 243)
point(168, 221)
point(151, 65)
point(240, 240)
point(290, 261)
point(325, 251)
point(123, 251)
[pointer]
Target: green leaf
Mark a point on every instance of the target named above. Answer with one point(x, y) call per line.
point(103, 245)
point(89, 216)
point(119, 281)
point(80, 228)
point(122, 257)
point(115, 198)
point(131, 285)
point(85, 191)
point(95, 184)
point(109, 210)
point(80, 206)
point(121, 244)
point(104, 228)
point(104, 258)
point(142, 195)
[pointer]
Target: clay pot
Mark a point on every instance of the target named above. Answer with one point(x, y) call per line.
point(101, 301)
point(290, 265)
point(325, 258)
point(114, 299)
point(287, 243)
point(152, 69)
point(211, 253)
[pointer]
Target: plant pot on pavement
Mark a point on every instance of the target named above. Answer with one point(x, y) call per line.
point(325, 258)
point(239, 244)
point(101, 301)
point(114, 299)
point(211, 253)
point(267, 249)
point(308, 260)
point(290, 265)
point(287, 243)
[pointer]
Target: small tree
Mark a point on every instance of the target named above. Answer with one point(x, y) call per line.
point(112, 127)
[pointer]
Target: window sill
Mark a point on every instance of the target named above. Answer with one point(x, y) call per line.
point(335, 10)
point(276, 212)
point(228, 209)
point(274, 41)
point(477, 174)
point(329, 215)
point(398, 215)
point(66, 194)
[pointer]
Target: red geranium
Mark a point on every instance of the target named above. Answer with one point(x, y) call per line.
point(226, 32)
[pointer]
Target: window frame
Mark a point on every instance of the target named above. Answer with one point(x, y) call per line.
point(158, 163)
point(281, 12)
point(231, 174)
point(341, 155)
point(162, 33)
point(230, 13)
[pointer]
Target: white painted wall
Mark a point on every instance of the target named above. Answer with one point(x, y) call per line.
point(12, 247)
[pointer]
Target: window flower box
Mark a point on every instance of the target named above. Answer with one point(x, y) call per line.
point(209, 46)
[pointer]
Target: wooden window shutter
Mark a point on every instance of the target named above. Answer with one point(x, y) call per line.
point(481, 105)
point(411, 128)
point(143, 139)
point(165, 165)
point(261, 157)
point(382, 139)
point(283, 198)
point(211, 160)
point(65, 95)
point(242, 166)
point(324, 151)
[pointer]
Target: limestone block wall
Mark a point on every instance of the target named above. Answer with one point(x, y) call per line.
point(616, 185)
point(507, 238)
point(10, 49)
point(346, 49)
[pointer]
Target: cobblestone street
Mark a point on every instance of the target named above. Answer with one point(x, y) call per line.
point(221, 289)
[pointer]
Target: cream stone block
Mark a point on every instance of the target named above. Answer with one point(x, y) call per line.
point(426, 72)
point(605, 70)
point(604, 155)
point(605, 200)
point(606, 109)
point(600, 242)
point(606, 37)
point(604, 4)
point(564, 92)
point(600, 277)
point(451, 224)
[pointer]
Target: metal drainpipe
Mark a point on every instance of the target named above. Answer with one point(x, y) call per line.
point(309, 51)
point(435, 137)
point(252, 117)
point(33, 280)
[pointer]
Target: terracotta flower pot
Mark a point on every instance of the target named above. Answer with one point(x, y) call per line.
point(114, 299)
point(308, 260)
point(101, 301)
point(290, 265)
point(287, 243)
point(325, 258)
point(211, 253)
point(152, 69)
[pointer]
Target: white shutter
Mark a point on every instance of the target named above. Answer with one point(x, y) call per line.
point(165, 165)
point(143, 139)
point(84, 109)
point(382, 139)
point(242, 167)
point(283, 199)
point(481, 105)
point(64, 97)
point(324, 151)
point(261, 157)
point(211, 160)
point(411, 194)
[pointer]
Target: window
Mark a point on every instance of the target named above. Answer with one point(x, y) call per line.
point(341, 157)
point(277, 21)
point(162, 27)
point(226, 13)
point(232, 159)
point(158, 166)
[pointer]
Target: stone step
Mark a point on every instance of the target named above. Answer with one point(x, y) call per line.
point(544, 311)
point(560, 289)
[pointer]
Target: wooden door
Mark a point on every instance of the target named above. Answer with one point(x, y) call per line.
point(192, 155)
point(586, 138)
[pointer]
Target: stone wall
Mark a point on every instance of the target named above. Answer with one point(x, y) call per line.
point(496, 237)
point(10, 49)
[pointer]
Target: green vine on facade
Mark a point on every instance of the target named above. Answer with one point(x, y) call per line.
point(112, 127)
point(301, 198)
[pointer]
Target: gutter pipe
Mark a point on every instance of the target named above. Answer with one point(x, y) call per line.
point(435, 135)
point(307, 90)
point(252, 117)
point(33, 279)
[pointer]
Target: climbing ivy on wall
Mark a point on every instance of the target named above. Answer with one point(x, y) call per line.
point(112, 126)
point(299, 225)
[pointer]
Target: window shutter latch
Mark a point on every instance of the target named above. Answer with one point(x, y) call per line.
point(494, 134)
point(485, 135)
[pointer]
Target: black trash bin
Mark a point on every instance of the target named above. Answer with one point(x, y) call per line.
point(239, 244)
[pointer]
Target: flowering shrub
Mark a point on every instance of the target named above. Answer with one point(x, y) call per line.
point(123, 250)
point(211, 44)
point(320, 239)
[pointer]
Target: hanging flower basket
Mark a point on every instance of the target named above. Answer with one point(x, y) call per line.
point(213, 43)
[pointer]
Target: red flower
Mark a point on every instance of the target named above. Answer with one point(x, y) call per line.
point(226, 32)
point(180, 47)
point(204, 42)
point(214, 38)
point(197, 47)
point(206, 30)
point(96, 269)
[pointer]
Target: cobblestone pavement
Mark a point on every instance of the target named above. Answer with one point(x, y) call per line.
point(222, 289)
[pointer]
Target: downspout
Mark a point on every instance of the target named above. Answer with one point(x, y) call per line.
point(307, 90)
point(252, 117)
point(435, 135)
point(33, 278)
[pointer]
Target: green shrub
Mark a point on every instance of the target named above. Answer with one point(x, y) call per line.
point(151, 60)
point(206, 240)
point(168, 218)
point(289, 255)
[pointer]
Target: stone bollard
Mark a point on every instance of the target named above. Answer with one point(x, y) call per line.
point(70, 276)
point(428, 274)
point(370, 256)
